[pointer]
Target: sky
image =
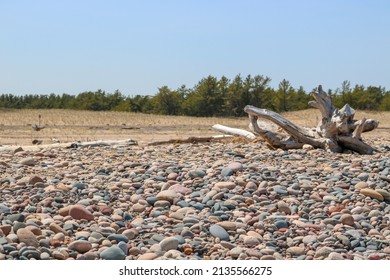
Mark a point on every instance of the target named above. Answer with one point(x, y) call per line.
point(136, 47)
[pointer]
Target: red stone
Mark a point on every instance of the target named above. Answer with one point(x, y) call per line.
point(374, 257)
point(6, 229)
point(79, 212)
point(35, 179)
point(106, 210)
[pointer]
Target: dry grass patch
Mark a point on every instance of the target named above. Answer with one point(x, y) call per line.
point(70, 125)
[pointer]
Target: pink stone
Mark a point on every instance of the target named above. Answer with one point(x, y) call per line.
point(386, 250)
point(180, 189)
point(235, 166)
point(172, 176)
point(106, 210)
point(374, 257)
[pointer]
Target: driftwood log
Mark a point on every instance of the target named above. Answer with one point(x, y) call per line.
point(234, 131)
point(99, 143)
point(192, 140)
point(336, 132)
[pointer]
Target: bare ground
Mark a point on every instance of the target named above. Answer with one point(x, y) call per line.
point(68, 125)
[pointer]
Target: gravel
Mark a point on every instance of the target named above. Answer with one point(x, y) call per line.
point(194, 201)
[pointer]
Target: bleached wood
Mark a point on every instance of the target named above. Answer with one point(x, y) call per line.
point(336, 131)
point(234, 131)
point(127, 142)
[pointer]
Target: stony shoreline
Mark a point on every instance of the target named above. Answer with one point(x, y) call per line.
point(194, 201)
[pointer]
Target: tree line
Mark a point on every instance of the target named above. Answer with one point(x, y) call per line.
point(209, 97)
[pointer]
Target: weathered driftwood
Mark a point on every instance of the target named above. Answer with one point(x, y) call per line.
point(67, 145)
point(234, 131)
point(127, 142)
point(191, 140)
point(336, 131)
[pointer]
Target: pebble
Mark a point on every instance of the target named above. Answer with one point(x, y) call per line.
point(169, 243)
point(227, 185)
point(29, 161)
point(194, 201)
point(58, 255)
point(371, 193)
point(118, 237)
point(385, 194)
point(309, 239)
point(235, 166)
point(323, 252)
point(220, 232)
point(27, 237)
point(81, 246)
point(335, 256)
point(168, 195)
point(347, 219)
point(283, 207)
point(6, 229)
point(148, 256)
point(227, 225)
point(227, 172)
point(4, 209)
point(113, 253)
point(281, 224)
point(361, 185)
point(251, 241)
point(280, 190)
point(16, 217)
point(296, 250)
point(236, 252)
point(44, 256)
point(197, 173)
point(79, 212)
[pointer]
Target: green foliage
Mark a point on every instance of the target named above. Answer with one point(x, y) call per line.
point(167, 102)
point(206, 99)
point(385, 104)
point(210, 97)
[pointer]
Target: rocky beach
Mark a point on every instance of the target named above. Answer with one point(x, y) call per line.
point(194, 201)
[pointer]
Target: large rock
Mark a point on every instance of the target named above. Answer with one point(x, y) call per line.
point(79, 212)
point(26, 236)
point(113, 253)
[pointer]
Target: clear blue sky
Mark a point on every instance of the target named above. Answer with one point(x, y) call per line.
point(137, 46)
